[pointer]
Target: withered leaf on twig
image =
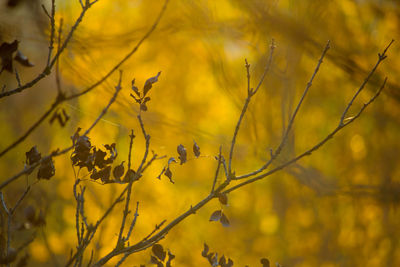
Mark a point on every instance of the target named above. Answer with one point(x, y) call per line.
point(149, 83)
point(103, 174)
point(216, 216)
point(159, 252)
point(119, 171)
point(46, 170)
point(33, 156)
point(196, 149)
point(168, 173)
point(6, 52)
point(223, 199)
point(182, 154)
point(264, 262)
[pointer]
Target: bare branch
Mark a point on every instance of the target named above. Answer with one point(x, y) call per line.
point(292, 119)
point(250, 94)
point(17, 77)
point(52, 31)
point(120, 239)
point(308, 152)
point(58, 82)
point(217, 170)
point(381, 57)
point(133, 222)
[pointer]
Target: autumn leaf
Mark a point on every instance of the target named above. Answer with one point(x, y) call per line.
point(216, 216)
point(149, 83)
point(182, 154)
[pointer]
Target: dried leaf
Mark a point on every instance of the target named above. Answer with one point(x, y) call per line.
point(222, 261)
point(113, 152)
point(143, 107)
point(33, 156)
point(149, 83)
point(119, 171)
point(99, 160)
point(103, 174)
point(214, 260)
point(23, 60)
point(46, 170)
point(223, 199)
point(216, 216)
point(196, 149)
point(6, 52)
point(82, 144)
point(182, 154)
point(224, 220)
point(168, 173)
point(204, 253)
point(146, 99)
point(158, 250)
point(171, 159)
point(264, 262)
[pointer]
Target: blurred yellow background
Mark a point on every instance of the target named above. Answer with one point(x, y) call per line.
point(338, 207)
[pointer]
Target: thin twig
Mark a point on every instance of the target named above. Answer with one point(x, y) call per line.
point(131, 136)
point(153, 158)
point(120, 239)
point(117, 89)
point(158, 226)
point(147, 139)
point(52, 31)
point(126, 255)
point(250, 94)
point(78, 203)
point(217, 169)
point(133, 222)
point(17, 77)
point(58, 80)
point(19, 201)
point(381, 57)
